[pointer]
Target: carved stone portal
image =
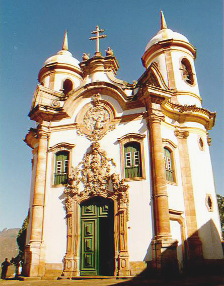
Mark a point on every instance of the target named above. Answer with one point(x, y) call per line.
point(95, 119)
point(91, 178)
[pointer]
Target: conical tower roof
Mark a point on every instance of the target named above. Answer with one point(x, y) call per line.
point(63, 57)
point(165, 34)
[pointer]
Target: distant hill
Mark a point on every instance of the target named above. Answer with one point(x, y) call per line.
point(8, 245)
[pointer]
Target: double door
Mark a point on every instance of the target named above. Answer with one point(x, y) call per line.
point(97, 237)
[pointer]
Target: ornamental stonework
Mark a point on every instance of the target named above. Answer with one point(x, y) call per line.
point(93, 177)
point(96, 119)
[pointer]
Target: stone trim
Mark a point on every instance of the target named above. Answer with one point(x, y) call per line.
point(132, 137)
point(191, 113)
point(194, 250)
point(63, 146)
point(95, 175)
point(96, 118)
point(167, 143)
point(170, 71)
point(35, 249)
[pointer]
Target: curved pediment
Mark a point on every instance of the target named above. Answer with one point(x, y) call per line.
point(104, 88)
point(153, 77)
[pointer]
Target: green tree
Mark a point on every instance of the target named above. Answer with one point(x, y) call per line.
point(220, 200)
point(21, 237)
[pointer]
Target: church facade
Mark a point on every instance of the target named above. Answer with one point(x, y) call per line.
point(121, 173)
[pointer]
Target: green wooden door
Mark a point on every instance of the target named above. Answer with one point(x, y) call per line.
point(97, 238)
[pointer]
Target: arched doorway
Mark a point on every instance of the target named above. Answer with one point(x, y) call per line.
point(97, 255)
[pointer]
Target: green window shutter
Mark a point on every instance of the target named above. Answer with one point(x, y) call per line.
point(132, 160)
point(168, 165)
point(61, 168)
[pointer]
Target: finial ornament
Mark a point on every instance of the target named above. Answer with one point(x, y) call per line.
point(163, 21)
point(109, 52)
point(85, 57)
point(97, 38)
point(65, 42)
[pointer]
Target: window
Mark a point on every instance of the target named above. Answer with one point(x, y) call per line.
point(132, 152)
point(67, 86)
point(132, 157)
point(187, 73)
point(168, 165)
point(61, 167)
point(209, 203)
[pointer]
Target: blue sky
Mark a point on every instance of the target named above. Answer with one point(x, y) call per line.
point(32, 31)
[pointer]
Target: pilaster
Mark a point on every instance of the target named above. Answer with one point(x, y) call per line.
point(35, 250)
point(71, 259)
point(164, 247)
point(194, 245)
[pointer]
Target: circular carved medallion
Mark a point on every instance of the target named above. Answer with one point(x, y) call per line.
point(95, 119)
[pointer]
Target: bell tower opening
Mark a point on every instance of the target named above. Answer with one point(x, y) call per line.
point(67, 86)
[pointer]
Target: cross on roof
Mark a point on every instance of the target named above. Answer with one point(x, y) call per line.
point(97, 38)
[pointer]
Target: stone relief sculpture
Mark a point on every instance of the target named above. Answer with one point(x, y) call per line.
point(96, 120)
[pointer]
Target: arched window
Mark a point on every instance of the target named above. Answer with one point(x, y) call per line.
point(61, 167)
point(67, 86)
point(132, 153)
point(168, 165)
point(187, 73)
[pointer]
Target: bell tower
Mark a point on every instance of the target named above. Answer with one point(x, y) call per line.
point(175, 57)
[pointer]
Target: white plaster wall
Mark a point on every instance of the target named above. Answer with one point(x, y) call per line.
point(181, 85)
point(140, 220)
point(55, 230)
point(175, 229)
point(160, 60)
point(46, 81)
point(140, 217)
point(203, 183)
point(99, 76)
point(175, 190)
point(61, 76)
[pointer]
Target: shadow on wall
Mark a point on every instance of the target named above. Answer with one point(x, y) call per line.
point(209, 268)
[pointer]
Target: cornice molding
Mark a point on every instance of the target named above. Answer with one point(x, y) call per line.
point(192, 113)
point(131, 136)
point(61, 146)
point(167, 44)
point(31, 138)
point(54, 66)
point(152, 77)
point(168, 142)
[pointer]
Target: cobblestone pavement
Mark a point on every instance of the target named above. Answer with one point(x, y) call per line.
point(186, 281)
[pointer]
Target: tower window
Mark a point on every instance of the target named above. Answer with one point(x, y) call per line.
point(61, 167)
point(67, 86)
point(209, 203)
point(187, 73)
point(132, 154)
point(168, 165)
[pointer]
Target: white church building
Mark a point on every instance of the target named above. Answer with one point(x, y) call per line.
point(122, 179)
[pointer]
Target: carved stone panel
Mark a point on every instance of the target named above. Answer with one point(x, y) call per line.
point(95, 119)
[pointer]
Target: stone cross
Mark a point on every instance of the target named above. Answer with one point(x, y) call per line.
point(97, 38)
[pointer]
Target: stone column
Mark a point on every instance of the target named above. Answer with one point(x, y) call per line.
point(164, 254)
point(34, 254)
point(194, 245)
